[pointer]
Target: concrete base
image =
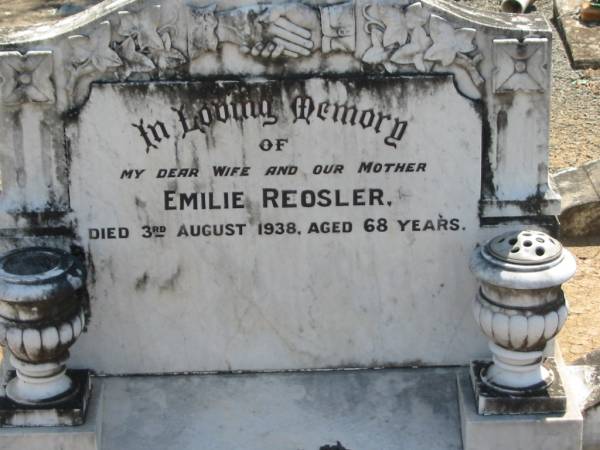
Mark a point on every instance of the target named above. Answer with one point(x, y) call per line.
point(516, 432)
point(84, 437)
point(395, 409)
point(586, 383)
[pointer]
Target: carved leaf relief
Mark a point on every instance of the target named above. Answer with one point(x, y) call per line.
point(147, 43)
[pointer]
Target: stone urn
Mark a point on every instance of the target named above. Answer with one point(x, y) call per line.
point(520, 306)
point(41, 316)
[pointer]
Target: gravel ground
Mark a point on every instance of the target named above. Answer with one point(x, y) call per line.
point(574, 140)
point(582, 331)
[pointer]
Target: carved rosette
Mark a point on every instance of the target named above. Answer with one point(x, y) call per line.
point(521, 65)
point(520, 305)
point(26, 78)
point(41, 316)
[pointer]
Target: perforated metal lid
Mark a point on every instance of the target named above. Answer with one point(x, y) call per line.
point(527, 247)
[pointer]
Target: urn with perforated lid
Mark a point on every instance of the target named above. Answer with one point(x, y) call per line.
point(520, 305)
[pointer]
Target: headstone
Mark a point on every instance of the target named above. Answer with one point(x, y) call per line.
point(275, 186)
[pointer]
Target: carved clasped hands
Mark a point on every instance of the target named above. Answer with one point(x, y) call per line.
point(273, 31)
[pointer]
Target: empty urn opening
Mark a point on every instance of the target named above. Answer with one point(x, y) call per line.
point(540, 251)
point(527, 243)
point(31, 263)
point(512, 7)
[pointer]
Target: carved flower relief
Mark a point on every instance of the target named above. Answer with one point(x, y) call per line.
point(93, 53)
point(448, 42)
point(375, 28)
point(416, 18)
point(202, 34)
point(26, 78)
point(148, 40)
point(415, 37)
point(395, 27)
point(398, 37)
point(402, 38)
point(141, 28)
point(89, 56)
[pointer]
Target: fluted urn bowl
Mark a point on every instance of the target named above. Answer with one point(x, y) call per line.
point(41, 316)
point(39, 283)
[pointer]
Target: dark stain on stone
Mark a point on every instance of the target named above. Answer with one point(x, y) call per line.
point(336, 446)
point(502, 121)
point(548, 223)
point(195, 161)
point(91, 267)
point(68, 160)
point(172, 185)
point(253, 210)
point(48, 222)
point(141, 282)
point(83, 293)
point(177, 157)
point(10, 233)
point(170, 283)
point(139, 202)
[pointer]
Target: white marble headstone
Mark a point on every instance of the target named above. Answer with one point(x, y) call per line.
point(285, 186)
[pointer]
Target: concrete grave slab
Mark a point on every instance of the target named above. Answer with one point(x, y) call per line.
point(363, 410)
point(586, 383)
point(581, 40)
point(580, 193)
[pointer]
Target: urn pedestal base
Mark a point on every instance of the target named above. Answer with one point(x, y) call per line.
point(517, 431)
point(84, 437)
point(67, 410)
point(544, 400)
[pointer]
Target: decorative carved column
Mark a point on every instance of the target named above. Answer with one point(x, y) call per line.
point(41, 316)
point(520, 306)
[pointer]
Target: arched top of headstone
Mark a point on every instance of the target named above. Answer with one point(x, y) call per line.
point(129, 40)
